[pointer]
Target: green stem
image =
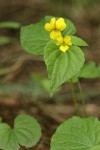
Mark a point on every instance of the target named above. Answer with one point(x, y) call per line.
point(74, 98)
point(82, 97)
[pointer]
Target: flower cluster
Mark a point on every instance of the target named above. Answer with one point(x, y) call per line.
point(55, 27)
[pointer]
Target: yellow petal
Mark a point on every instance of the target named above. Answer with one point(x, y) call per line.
point(55, 34)
point(59, 40)
point(67, 40)
point(69, 43)
point(53, 23)
point(60, 24)
point(48, 27)
point(64, 48)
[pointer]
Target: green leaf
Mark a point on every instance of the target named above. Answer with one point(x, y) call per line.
point(62, 66)
point(77, 134)
point(10, 24)
point(5, 40)
point(26, 132)
point(74, 79)
point(77, 41)
point(70, 29)
point(34, 37)
point(4, 136)
point(95, 148)
point(89, 70)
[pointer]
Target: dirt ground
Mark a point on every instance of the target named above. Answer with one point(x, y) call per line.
point(16, 65)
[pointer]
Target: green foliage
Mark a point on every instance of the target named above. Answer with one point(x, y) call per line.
point(26, 132)
point(62, 66)
point(70, 30)
point(10, 24)
point(77, 134)
point(34, 37)
point(77, 41)
point(74, 79)
point(88, 71)
point(5, 40)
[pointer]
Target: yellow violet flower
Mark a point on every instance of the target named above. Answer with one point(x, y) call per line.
point(55, 26)
point(64, 43)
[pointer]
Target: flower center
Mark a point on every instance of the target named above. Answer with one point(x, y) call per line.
point(64, 43)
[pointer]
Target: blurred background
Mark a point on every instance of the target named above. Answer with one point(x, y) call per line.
point(24, 85)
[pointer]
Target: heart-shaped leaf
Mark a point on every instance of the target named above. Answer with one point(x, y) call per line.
point(62, 66)
point(34, 38)
point(77, 134)
point(26, 132)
